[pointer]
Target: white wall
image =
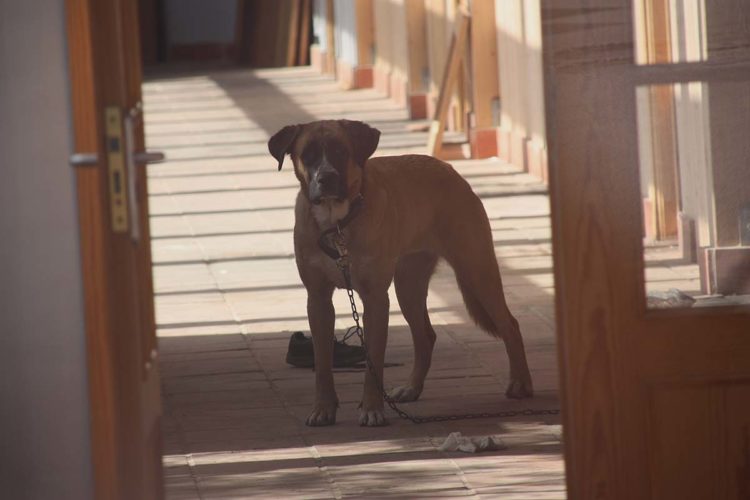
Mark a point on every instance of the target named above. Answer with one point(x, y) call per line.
point(345, 15)
point(319, 23)
point(44, 427)
point(200, 21)
point(519, 49)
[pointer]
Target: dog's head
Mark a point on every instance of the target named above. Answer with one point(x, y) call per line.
point(328, 156)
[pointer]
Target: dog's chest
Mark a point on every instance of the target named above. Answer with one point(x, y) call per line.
point(334, 275)
point(329, 269)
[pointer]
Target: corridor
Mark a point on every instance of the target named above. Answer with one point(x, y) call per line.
point(228, 297)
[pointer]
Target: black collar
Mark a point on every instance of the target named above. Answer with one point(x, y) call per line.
point(355, 207)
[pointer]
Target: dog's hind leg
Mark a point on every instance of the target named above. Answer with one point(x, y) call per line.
point(411, 281)
point(485, 301)
point(478, 277)
point(486, 293)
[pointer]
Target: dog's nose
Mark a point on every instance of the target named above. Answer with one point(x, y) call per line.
point(328, 179)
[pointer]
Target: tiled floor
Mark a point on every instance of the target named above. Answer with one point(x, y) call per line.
point(228, 296)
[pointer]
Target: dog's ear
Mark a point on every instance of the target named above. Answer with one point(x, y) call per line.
point(282, 141)
point(364, 139)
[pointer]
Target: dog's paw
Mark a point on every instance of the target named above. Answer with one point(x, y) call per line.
point(372, 418)
point(519, 389)
point(322, 415)
point(405, 393)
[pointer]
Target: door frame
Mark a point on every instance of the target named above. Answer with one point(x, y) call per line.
point(124, 401)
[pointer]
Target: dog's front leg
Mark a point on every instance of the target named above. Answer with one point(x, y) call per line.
point(321, 316)
point(376, 335)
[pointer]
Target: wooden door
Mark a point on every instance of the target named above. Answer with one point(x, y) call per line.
point(105, 80)
point(656, 403)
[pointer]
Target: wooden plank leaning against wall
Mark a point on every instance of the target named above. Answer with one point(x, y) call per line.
point(451, 74)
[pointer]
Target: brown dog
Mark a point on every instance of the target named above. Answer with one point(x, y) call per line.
point(416, 209)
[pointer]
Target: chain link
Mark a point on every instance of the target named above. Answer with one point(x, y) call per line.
point(343, 263)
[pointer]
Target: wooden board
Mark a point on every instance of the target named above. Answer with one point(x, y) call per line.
point(450, 74)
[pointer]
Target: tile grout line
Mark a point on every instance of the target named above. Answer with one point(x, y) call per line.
point(337, 493)
point(194, 475)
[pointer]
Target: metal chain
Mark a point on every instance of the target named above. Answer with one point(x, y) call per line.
point(343, 263)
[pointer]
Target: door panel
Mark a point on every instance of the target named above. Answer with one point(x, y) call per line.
point(123, 372)
point(655, 402)
point(712, 428)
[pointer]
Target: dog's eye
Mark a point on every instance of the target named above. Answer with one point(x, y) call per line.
point(337, 152)
point(310, 155)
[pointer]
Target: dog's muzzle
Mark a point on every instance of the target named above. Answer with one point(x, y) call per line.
point(325, 184)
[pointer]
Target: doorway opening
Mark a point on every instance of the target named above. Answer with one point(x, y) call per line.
point(228, 297)
point(216, 219)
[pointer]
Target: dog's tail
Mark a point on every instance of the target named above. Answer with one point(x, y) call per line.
point(471, 253)
point(469, 249)
point(475, 307)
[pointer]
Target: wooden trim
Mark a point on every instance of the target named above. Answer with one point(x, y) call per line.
point(709, 71)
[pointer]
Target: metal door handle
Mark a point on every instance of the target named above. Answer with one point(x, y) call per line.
point(148, 157)
point(84, 159)
point(133, 159)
